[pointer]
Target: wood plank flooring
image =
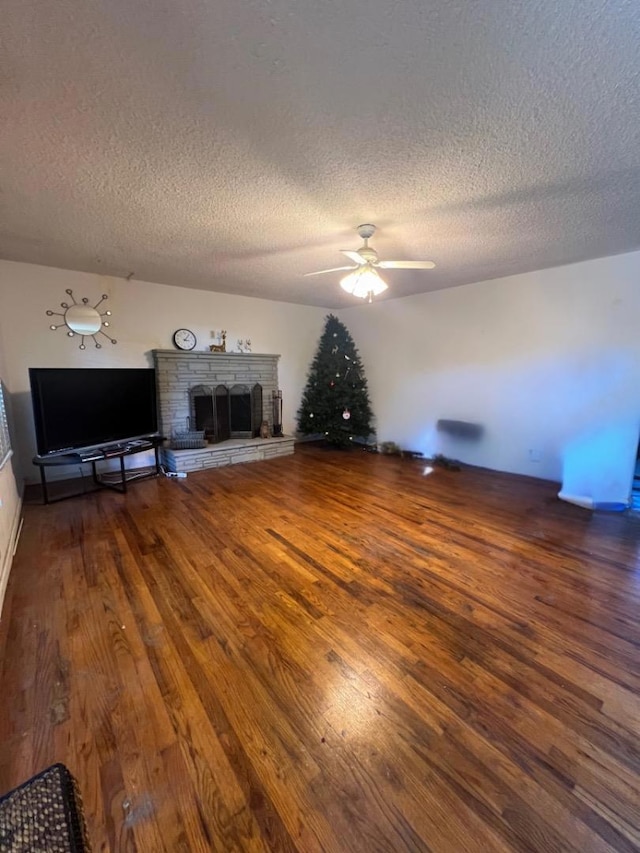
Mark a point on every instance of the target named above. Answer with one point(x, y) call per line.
point(330, 652)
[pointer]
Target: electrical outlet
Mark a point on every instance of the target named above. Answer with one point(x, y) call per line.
point(534, 455)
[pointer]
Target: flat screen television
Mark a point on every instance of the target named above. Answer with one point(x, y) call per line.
point(79, 407)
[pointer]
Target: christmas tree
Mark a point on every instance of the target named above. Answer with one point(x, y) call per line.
point(336, 401)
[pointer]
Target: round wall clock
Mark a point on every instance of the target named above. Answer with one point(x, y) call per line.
point(184, 339)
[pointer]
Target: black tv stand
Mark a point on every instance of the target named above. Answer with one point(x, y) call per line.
point(98, 454)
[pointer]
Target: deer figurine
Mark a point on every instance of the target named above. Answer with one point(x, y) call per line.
point(220, 347)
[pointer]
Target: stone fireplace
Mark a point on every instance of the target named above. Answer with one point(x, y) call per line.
point(226, 397)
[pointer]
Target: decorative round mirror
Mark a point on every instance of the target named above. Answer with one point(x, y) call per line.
point(83, 319)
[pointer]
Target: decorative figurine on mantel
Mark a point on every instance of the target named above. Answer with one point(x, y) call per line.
point(244, 346)
point(222, 337)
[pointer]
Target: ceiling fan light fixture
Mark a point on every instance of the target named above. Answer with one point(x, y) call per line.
point(363, 282)
point(363, 279)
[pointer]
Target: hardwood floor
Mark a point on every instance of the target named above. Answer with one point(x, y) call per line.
point(331, 652)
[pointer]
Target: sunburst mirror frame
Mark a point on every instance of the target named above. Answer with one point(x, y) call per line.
point(82, 319)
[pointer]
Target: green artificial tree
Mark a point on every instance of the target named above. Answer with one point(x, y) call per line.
point(336, 401)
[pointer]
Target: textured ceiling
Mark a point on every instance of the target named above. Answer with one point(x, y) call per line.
point(234, 146)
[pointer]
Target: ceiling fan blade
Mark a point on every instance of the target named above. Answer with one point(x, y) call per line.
point(406, 265)
point(356, 257)
point(322, 272)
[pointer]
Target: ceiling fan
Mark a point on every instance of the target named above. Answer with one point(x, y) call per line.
point(363, 280)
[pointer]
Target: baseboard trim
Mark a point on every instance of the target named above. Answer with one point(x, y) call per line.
point(5, 570)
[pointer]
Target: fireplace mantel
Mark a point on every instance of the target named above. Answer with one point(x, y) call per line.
point(180, 355)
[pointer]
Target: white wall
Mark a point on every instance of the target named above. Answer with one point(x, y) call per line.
point(144, 317)
point(547, 362)
point(10, 498)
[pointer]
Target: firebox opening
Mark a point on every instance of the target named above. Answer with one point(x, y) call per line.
point(224, 412)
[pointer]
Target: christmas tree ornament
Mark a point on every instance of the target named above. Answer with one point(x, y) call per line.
point(346, 414)
point(310, 414)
